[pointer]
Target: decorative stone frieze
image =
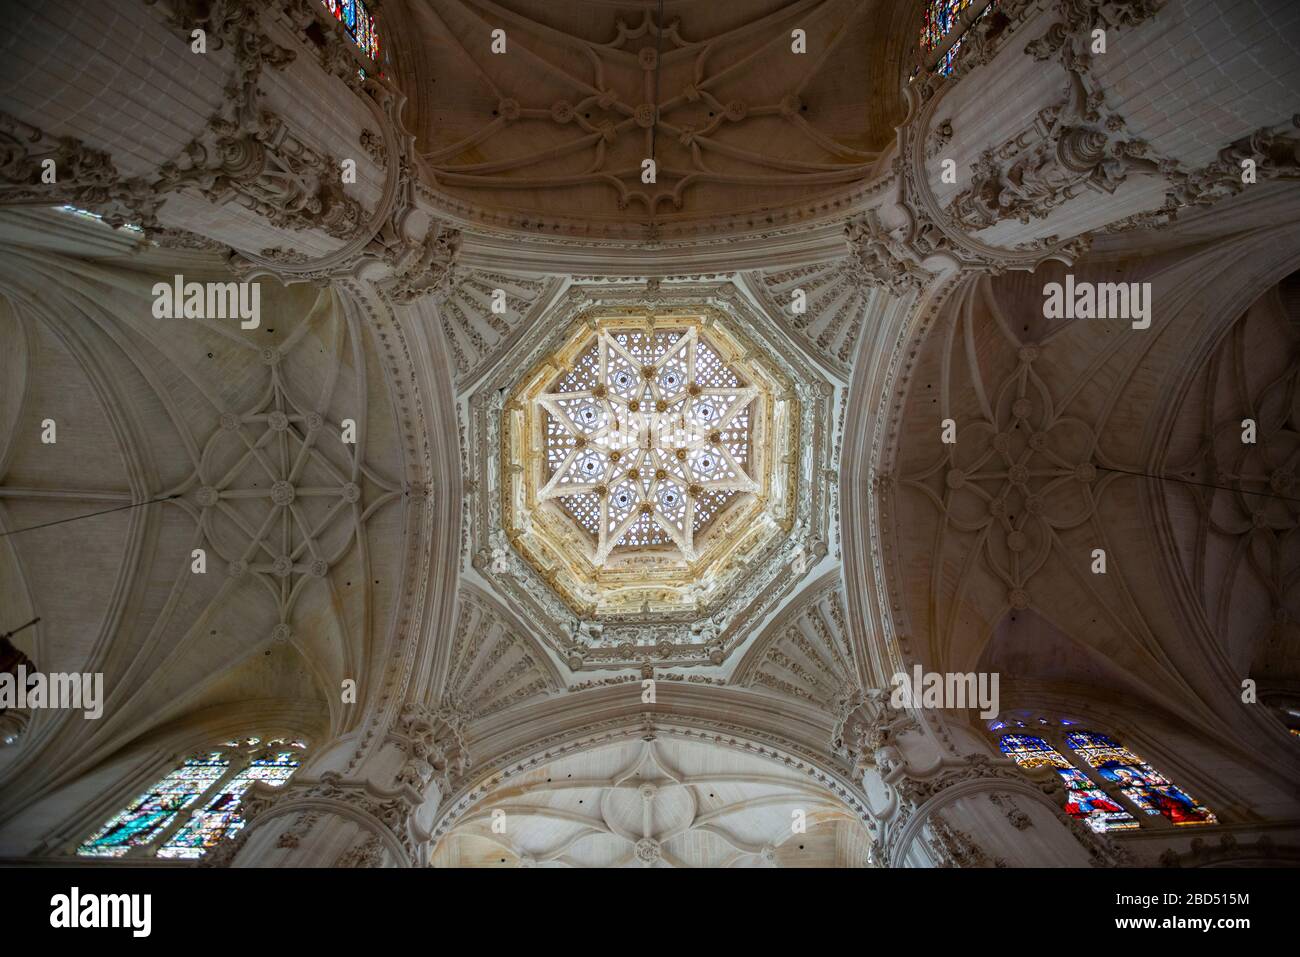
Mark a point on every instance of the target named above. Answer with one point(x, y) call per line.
point(82, 176)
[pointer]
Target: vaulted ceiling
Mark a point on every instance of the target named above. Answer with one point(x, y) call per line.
point(267, 570)
point(313, 543)
point(550, 134)
point(657, 802)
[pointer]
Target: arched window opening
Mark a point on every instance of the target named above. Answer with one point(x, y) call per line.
point(1084, 800)
point(209, 786)
point(358, 22)
point(1138, 781)
point(942, 20)
point(1108, 786)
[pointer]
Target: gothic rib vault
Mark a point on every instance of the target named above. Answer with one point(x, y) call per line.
point(610, 434)
point(552, 137)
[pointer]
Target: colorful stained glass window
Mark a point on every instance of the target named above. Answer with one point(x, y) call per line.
point(1084, 800)
point(145, 818)
point(1142, 784)
point(941, 19)
point(358, 22)
point(220, 818)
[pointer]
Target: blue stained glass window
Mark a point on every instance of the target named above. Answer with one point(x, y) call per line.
point(358, 22)
point(220, 818)
point(1138, 781)
point(1084, 800)
point(145, 818)
point(197, 805)
point(941, 19)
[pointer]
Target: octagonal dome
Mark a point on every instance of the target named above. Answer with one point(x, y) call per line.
point(653, 462)
point(644, 456)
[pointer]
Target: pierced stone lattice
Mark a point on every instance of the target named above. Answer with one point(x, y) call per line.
point(647, 439)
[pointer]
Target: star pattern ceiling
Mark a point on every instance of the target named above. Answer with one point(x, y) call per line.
point(647, 439)
point(559, 121)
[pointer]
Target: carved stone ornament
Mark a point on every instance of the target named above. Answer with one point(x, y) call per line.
point(877, 259)
point(258, 163)
point(1067, 150)
point(1080, 17)
point(220, 20)
point(956, 848)
point(866, 731)
point(429, 268)
point(915, 790)
point(247, 155)
point(1275, 155)
point(434, 747)
point(83, 177)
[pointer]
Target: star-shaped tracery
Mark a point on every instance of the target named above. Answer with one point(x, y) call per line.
point(647, 439)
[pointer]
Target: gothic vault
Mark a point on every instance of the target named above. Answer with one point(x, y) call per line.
point(587, 433)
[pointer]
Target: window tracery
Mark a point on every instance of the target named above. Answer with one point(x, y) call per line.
point(1105, 783)
point(942, 18)
point(358, 22)
point(196, 805)
point(1147, 788)
point(1083, 799)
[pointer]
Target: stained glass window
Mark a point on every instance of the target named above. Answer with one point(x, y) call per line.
point(87, 214)
point(1142, 784)
point(209, 788)
point(220, 817)
point(941, 19)
point(145, 818)
point(358, 22)
point(1084, 800)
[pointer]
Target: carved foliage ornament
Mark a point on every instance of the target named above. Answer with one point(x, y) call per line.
point(866, 731)
point(1080, 17)
point(434, 747)
point(1066, 151)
